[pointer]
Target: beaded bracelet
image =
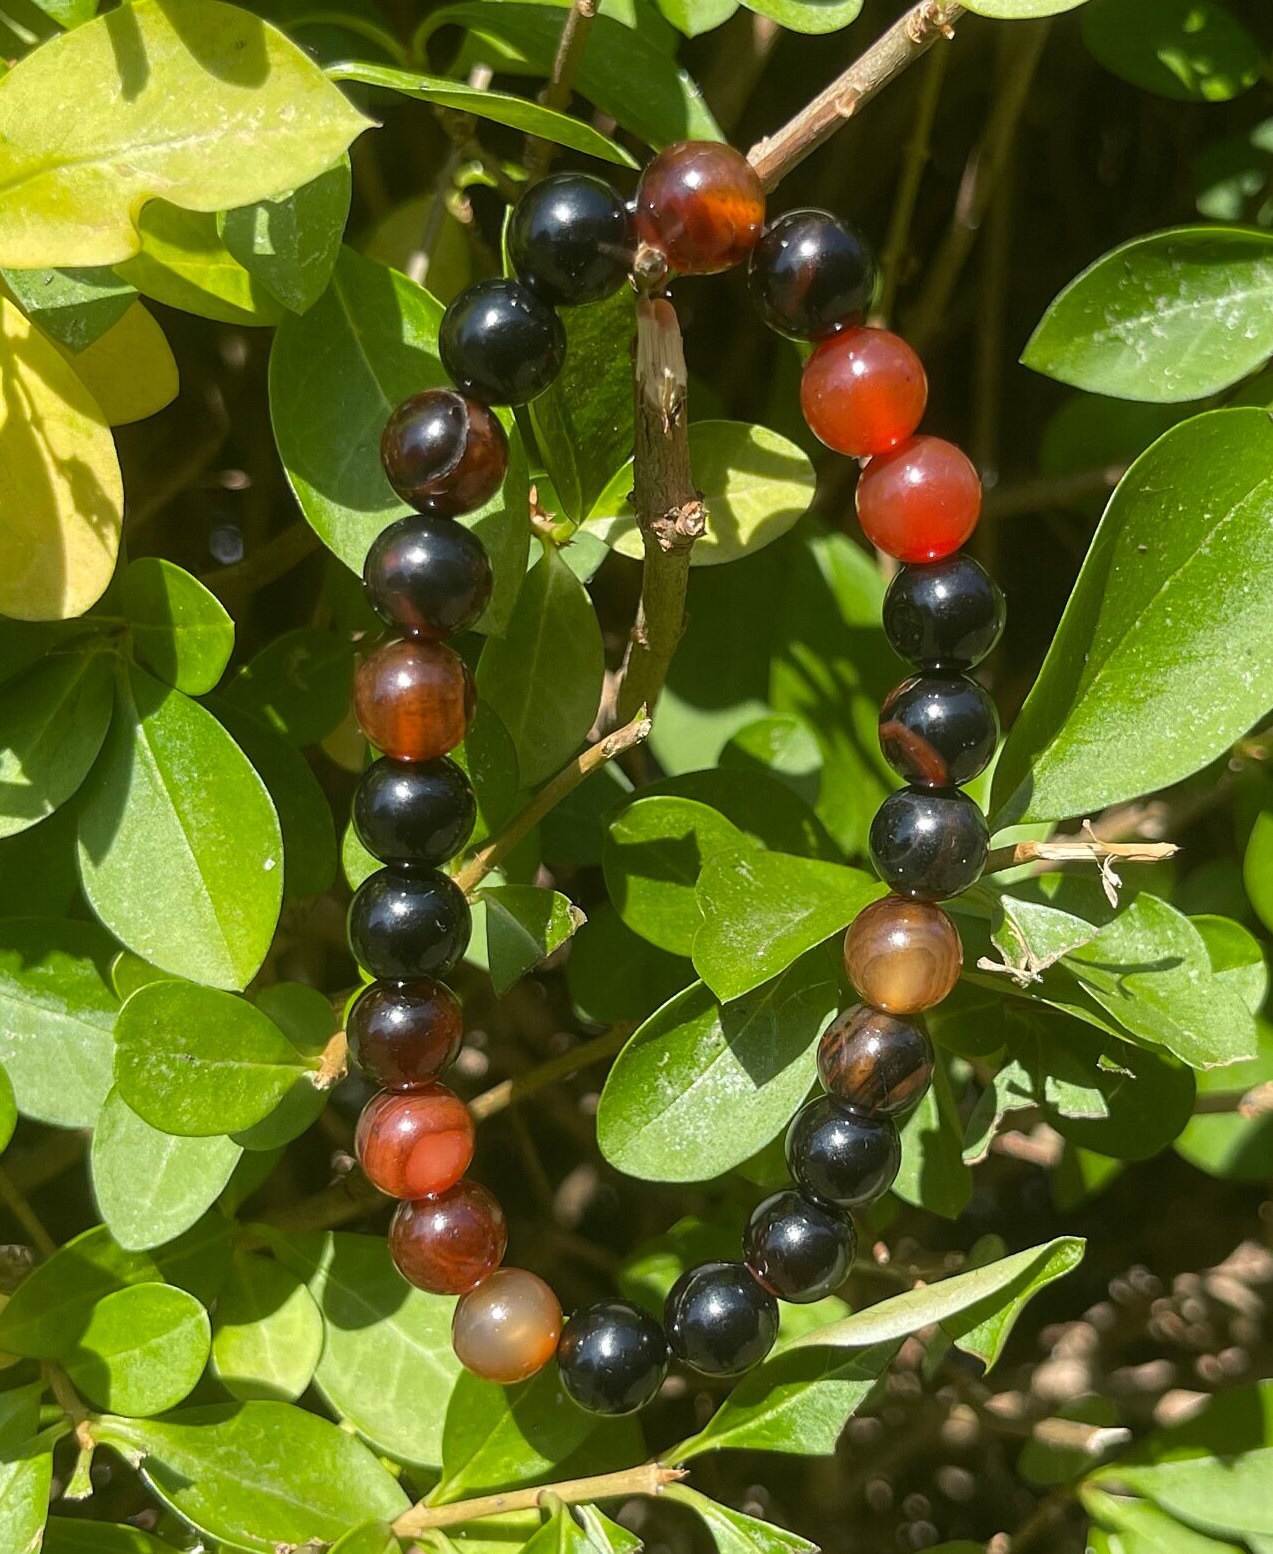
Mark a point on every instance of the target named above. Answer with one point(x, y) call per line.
point(572, 241)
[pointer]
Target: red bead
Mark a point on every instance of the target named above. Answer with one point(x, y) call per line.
point(414, 700)
point(863, 392)
point(920, 502)
point(404, 1034)
point(701, 205)
point(415, 1142)
point(448, 1244)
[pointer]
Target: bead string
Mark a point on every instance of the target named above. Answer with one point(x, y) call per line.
point(572, 241)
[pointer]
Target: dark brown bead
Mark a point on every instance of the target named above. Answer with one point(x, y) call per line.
point(507, 1328)
point(403, 1034)
point(414, 700)
point(444, 453)
point(412, 1143)
point(903, 956)
point(701, 205)
point(874, 1062)
point(449, 1243)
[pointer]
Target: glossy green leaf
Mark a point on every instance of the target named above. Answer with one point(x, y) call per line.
point(785, 747)
point(1257, 867)
point(180, 848)
point(76, 307)
point(605, 1536)
point(1135, 672)
point(763, 910)
point(256, 1475)
point(52, 724)
point(150, 1185)
point(50, 1309)
point(1187, 49)
point(78, 1535)
point(8, 1111)
point(1233, 1146)
point(1144, 1529)
point(524, 925)
point(184, 264)
point(38, 873)
point(370, 1538)
point(141, 1351)
point(814, 16)
point(179, 629)
point(701, 1086)
point(290, 244)
point(26, 1470)
point(1173, 316)
point(299, 684)
point(544, 676)
point(268, 1333)
point(694, 17)
point(243, 117)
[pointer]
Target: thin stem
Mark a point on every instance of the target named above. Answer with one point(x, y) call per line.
point(509, 1091)
point(1029, 497)
point(918, 150)
point(648, 1479)
point(566, 62)
point(1092, 850)
point(273, 560)
point(26, 1216)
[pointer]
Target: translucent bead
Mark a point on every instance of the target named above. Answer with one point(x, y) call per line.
point(701, 205)
point(903, 956)
point(863, 392)
point(403, 1034)
point(507, 1328)
point(921, 501)
point(449, 1243)
point(416, 1142)
point(444, 453)
point(414, 700)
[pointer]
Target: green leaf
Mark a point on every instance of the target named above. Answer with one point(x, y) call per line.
point(605, 1536)
point(1235, 1147)
point(184, 264)
point(756, 484)
point(518, 113)
point(524, 925)
point(57, 1012)
point(243, 117)
point(544, 676)
point(8, 1111)
point(38, 874)
point(52, 724)
point(290, 244)
point(141, 1351)
point(268, 1334)
point(763, 910)
point(150, 1185)
point(50, 1309)
point(1192, 50)
point(75, 307)
point(335, 374)
point(784, 747)
point(933, 1175)
point(78, 1535)
point(814, 16)
point(180, 848)
point(1176, 315)
point(1144, 1529)
point(1257, 867)
point(370, 1538)
point(1020, 10)
point(179, 629)
point(299, 684)
point(701, 1086)
point(26, 1471)
point(694, 17)
point(255, 1475)
point(1135, 671)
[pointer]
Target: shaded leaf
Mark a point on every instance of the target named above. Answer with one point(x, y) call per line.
point(142, 1349)
point(184, 264)
point(290, 244)
point(268, 1334)
point(524, 925)
point(76, 307)
point(130, 372)
point(52, 724)
point(179, 629)
point(1186, 49)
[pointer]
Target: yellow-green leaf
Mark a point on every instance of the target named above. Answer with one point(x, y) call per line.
point(184, 263)
point(130, 370)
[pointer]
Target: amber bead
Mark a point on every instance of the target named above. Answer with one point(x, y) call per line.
point(449, 1243)
point(403, 1034)
point(444, 453)
point(863, 392)
point(414, 700)
point(921, 501)
point(507, 1328)
point(415, 1142)
point(875, 1062)
point(903, 956)
point(701, 205)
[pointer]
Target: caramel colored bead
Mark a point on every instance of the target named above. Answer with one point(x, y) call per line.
point(414, 700)
point(507, 1328)
point(701, 205)
point(449, 1243)
point(412, 1143)
point(876, 1063)
point(903, 956)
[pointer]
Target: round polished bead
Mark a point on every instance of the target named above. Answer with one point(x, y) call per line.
point(841, 1156)
point(945, 615)
point(412, 1143)
point(403, 1034)
point(414, 812)
point(501, 343)
point(797, 1249)
point(612, 1357)
point(444, 453)
point(903, 956)
point(719, 1320)
point(863, 392)
point(877, 1063)
point(571, 239)
point(811, 275)
point(927, 844)
point(449, 1243)
point(404, 926)
point(414, 700)
point(701, 205)
point(507, 1328)
point(938, 730)
point(920, 502)
point(428, 576)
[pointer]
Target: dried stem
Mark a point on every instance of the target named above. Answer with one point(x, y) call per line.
point(648, 1479)
point(1089, 850)
point(570, 51)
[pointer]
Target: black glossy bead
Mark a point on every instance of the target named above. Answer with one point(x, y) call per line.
point(719, 1320)
point(612, 1357)
point(501, 343)
point(798, 1250)
point(414, 812)
point(406, 926)
point(938, 730)
point(841, 1156)
point(811, 275)
point(928, 845)
point(430, 577)
point(571, 239)
point(943, 614)
point(444, 453)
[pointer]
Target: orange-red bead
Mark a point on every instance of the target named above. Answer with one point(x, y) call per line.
point(507, 1328)
point(414, 700)
point(449, 1243)
point(701, 205)
point(920, 502)
point(412, 1143)
point(863, 392)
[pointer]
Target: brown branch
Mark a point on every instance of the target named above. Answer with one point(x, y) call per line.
point(907, 40)
point(566, 62)
point(648, 1479)
point(918, 151)
point(509, 1091)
